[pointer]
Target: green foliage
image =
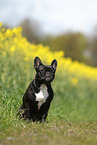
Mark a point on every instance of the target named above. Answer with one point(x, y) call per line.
point(73, 44)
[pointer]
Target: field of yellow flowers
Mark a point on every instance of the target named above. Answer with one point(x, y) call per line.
point(16, 49)
point(75, 85)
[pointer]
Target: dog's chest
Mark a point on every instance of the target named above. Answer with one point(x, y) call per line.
point(42, 95)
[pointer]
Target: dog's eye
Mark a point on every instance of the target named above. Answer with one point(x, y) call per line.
point(42, 71)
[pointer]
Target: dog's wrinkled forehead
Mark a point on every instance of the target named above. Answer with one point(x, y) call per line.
point(41, 67)
point(45, 67)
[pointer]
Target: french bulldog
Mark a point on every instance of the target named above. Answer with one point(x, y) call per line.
point(39, 94)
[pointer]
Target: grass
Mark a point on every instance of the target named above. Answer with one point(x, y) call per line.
point(72, 116)
point(51, 133)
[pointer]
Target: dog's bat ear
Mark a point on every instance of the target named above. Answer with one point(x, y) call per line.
point(54, 64)
point(37, 62)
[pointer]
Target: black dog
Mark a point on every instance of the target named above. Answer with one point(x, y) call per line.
point(39, 94)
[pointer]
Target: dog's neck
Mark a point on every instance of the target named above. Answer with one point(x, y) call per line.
point(36, 85)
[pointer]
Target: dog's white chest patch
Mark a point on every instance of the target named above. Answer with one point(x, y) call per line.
point(42, 95)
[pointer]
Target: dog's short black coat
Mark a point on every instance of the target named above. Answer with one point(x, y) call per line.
point(39, 94)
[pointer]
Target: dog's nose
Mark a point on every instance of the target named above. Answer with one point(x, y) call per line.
point(47, 73)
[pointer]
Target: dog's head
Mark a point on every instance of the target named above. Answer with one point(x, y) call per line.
point(44, 73)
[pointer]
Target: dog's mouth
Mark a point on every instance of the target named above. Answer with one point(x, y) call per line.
point(48, 78)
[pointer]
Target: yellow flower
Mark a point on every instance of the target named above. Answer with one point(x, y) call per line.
point(26, 59)
point(3, 29)
point(0, 24)
point(74, 81)
point(4, 53)
point(12, 49)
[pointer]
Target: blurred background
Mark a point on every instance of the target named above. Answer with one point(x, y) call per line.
point(68, 25)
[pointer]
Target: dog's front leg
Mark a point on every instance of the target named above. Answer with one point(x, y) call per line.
point(44, 118)
point(44, 110)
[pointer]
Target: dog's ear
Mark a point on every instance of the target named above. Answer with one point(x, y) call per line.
point(54, 64)
point(37, 62)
